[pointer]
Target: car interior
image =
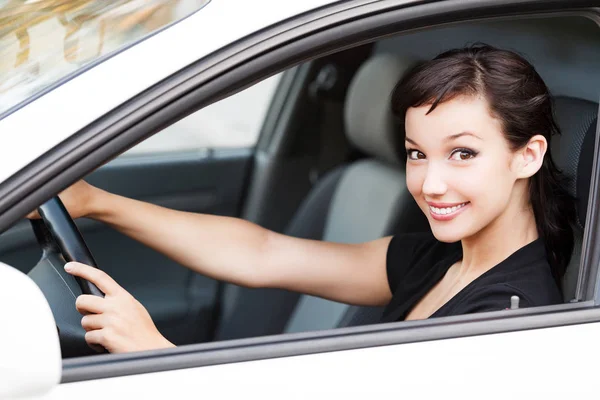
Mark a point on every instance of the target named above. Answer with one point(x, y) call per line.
point(328, 165)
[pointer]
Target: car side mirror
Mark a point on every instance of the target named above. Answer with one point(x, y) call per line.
point(30, 357)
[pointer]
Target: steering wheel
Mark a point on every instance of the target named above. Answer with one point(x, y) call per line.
point(61, 241)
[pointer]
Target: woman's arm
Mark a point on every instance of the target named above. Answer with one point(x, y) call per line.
point(241, 252)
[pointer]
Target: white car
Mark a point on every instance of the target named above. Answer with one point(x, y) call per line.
point(276, 112)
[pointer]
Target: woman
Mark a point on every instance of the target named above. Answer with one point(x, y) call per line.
point(478, 123)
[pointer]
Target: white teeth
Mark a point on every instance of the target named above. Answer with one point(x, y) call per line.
point(446, 210)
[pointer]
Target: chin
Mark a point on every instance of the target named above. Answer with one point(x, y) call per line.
point(447, 234)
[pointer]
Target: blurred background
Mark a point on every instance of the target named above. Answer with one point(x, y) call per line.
point(45, 41)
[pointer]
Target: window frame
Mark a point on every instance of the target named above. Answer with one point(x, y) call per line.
point(588, 281)
point(351, 24)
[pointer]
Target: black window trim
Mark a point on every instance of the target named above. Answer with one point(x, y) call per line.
point(198, 86)
point(590, 254)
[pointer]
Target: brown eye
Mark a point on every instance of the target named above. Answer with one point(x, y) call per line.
point(462, 154)
point(415, 155)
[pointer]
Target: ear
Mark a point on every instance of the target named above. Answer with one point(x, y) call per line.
point(531, 156)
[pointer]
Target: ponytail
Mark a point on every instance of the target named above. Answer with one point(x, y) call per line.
point(554, 211)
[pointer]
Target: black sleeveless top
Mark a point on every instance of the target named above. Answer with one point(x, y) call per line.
point(417, 261)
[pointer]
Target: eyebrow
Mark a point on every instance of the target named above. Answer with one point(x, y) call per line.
point(448, 138)
point(457, 135)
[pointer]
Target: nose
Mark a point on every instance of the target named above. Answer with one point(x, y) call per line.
point(434, 183)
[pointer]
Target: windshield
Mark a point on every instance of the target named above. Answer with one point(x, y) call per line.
point(42, 41)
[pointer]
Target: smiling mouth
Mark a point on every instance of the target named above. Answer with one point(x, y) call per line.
point(446, 211)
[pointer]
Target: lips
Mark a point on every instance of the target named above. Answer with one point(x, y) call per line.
point(446, 211)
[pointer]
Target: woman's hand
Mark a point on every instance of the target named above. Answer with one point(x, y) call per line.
point(117, 322)
point(77, 198)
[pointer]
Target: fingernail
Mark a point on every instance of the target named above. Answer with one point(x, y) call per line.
point(68, 267)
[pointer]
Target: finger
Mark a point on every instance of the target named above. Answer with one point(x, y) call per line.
point(97, 339)
point(94, 275)
point(90, 304)
point(93, 322)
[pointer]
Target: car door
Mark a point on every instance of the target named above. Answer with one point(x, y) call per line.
point(462, 368)
point(493, 355)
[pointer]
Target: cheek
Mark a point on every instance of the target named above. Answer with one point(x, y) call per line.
point(414, 180)
point(487, 185)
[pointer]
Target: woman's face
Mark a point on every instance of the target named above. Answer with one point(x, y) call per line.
point(459, 166)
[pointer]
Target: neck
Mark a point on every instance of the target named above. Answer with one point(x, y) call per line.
point(512, 230)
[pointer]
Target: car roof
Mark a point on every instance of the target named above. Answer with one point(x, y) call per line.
point(37, 126)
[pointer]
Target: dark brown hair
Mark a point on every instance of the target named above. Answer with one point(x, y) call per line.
point(518, 97)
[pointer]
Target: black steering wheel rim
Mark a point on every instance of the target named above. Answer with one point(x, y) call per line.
point(61, 242)
point(56, 231)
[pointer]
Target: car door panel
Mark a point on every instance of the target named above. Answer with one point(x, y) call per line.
point(200, 181)
point(500, 366)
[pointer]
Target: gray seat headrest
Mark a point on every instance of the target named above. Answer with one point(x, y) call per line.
point(368, 117)
point(573, 151)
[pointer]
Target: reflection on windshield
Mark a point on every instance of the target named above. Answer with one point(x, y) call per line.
point(42, 41)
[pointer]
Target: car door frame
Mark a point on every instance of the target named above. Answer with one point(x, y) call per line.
point(323, 31)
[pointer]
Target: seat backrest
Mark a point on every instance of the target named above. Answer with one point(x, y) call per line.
point(354, 203)
point(573, 152)
point(372, 192)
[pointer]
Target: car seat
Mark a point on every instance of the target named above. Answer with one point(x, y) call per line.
point(357, 202)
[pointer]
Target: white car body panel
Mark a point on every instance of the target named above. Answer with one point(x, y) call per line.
point(533, 364)
point(42, 124)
